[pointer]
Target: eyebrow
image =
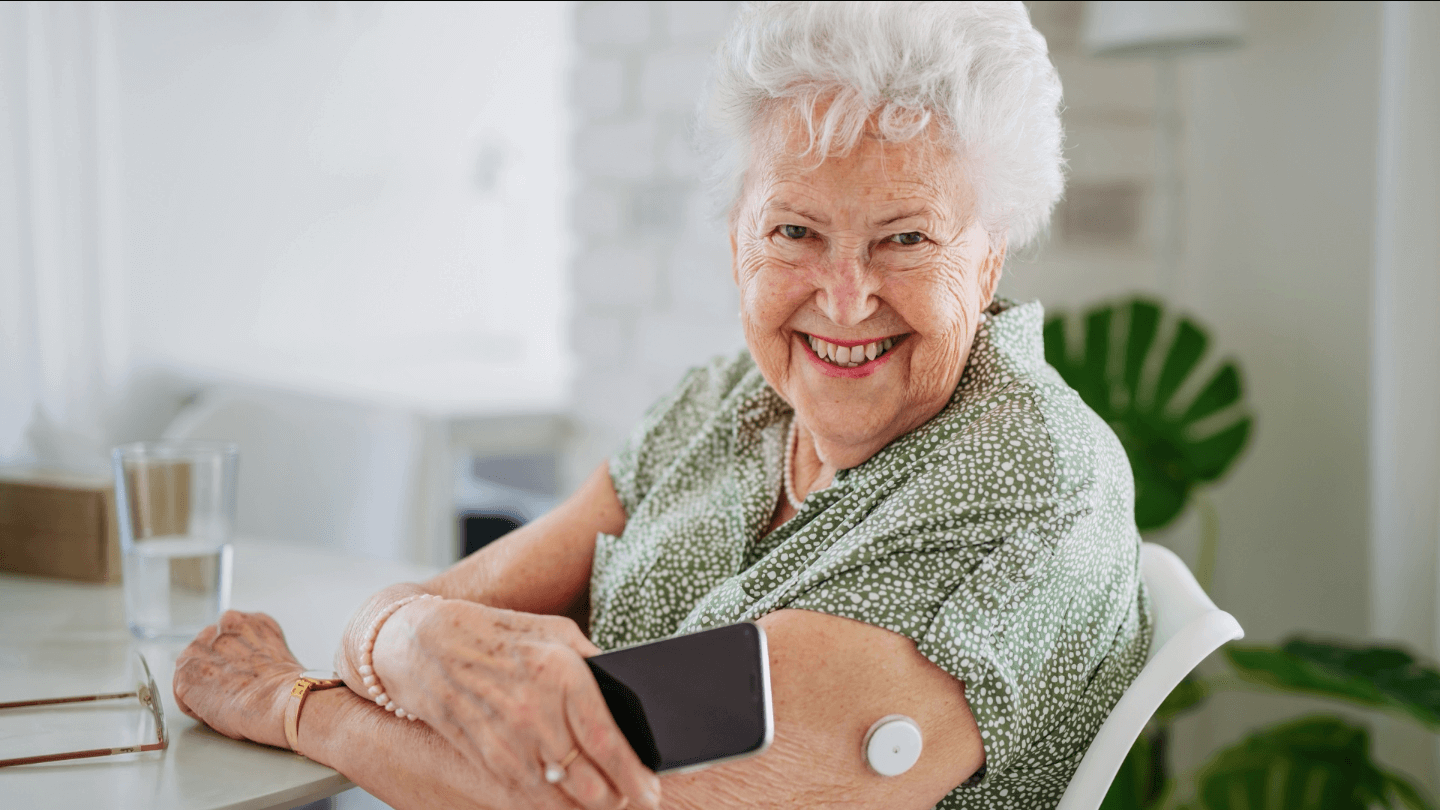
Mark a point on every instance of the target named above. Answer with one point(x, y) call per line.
point(780, 205)
point(914, 212)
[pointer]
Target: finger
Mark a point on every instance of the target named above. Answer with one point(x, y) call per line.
point(567, 632)
point(232, 621)
point(503, 762)
point(180, 683)
point(583, 783)
point(205, 637)
point(269, 621)
point(601, 741)
point(589, 788)
point(180, 701)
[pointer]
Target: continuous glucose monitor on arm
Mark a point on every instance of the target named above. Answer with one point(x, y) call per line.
point(892, 745)
point(695, 700)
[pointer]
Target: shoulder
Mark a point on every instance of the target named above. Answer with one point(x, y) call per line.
point(1013, 401)
point(705, 399)
point(703, 393)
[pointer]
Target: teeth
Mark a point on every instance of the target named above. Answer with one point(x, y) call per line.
point(849, 356)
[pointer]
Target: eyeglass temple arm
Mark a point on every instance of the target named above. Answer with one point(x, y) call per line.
point(93, 752)
point(79, 699)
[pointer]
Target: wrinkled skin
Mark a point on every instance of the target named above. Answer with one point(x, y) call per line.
point(247, 653)
point(822, 251)
point(501, 685)
point(879, 243)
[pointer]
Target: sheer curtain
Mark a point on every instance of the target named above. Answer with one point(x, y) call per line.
point(62, 348)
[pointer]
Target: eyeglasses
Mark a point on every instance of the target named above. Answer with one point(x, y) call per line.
point(144, 689)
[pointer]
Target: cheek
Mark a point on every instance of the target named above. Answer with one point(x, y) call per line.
point(770, 289)
point(938, 301)
point(942, 305)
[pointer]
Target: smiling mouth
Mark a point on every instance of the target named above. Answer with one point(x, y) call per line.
point(851, 356)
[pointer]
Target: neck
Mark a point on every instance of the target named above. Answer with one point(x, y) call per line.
point(812, 472)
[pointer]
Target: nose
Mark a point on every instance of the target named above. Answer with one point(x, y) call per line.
point(847, 287)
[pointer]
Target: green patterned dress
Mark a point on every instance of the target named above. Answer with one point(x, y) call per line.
point(999, 536)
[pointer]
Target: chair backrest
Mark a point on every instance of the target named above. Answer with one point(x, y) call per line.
point(1188, 627)
point(315, 471)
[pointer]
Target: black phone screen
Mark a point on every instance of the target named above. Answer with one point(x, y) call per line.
point(692, 699)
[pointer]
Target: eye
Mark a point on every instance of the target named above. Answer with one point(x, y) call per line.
point(794, 231)
point(908, 238)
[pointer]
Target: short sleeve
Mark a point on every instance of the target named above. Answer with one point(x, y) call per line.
point(1016, 586)
point(671, 423)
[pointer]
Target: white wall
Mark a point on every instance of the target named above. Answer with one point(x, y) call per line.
point(1405, 351)
point(352, 198)
point(651, 276)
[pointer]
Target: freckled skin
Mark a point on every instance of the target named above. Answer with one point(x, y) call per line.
point(497, 672)
point(846, 278)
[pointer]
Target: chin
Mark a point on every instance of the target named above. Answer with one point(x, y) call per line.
point(843, 423)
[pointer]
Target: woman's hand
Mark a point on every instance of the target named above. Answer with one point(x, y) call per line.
point(511, 691)
point(236, 676)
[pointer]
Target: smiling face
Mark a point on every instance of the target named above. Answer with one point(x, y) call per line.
point(861, 282)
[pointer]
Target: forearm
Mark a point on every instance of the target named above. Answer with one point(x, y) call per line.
point(542, 567)
point(352, 639)
point(406, 764)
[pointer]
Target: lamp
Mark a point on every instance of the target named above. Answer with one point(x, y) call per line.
point(1163, 31)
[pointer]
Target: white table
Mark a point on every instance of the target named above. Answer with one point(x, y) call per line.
point(58, 638)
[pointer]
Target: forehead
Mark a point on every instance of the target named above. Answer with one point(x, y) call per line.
point(873, 171)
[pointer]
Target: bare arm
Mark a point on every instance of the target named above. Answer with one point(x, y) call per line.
point(542, 567)
point(832, 678)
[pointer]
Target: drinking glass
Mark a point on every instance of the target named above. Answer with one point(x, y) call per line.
point(176, 503)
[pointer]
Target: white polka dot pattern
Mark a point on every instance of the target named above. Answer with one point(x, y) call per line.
point(999, 536)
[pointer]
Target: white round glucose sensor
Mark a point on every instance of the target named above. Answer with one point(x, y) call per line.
point(892, 745)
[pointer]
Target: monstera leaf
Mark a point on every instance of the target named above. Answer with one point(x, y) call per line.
point(1315, 763)
point(1144, 777)
point(1141, 780)
point(1183, 699)
point(1172, 445)
point(1380, 677)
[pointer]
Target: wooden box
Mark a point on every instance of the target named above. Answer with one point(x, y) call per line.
point(56, 524)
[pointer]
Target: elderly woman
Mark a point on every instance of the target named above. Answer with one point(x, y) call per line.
point(891, 481)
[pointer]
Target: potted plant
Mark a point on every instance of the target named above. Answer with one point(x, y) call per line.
point(1178, 443)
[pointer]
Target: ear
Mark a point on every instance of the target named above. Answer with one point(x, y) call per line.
point(734, 265)
point(994, 264)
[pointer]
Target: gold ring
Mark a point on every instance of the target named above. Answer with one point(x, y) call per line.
point(555, 771)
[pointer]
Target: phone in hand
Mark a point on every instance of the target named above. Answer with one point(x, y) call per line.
point(691, 701)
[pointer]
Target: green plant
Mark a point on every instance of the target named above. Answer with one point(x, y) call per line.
point(1176, 444)
point(1122, 374)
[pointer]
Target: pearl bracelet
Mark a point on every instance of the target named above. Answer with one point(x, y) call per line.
point(367, 656)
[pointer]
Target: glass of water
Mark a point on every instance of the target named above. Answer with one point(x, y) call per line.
point(176, 503)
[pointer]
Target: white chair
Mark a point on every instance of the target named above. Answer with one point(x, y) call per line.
point(1188, 627)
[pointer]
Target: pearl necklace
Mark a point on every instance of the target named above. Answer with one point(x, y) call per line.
point(790, 442)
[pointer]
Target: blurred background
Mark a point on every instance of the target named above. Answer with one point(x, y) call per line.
point(428, 264)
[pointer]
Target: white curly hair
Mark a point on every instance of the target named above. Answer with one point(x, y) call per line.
point(979, 69)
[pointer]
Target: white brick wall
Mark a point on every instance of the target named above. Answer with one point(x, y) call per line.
point(651, 281)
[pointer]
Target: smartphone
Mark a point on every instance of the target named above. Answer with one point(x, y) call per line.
point(691, 701)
